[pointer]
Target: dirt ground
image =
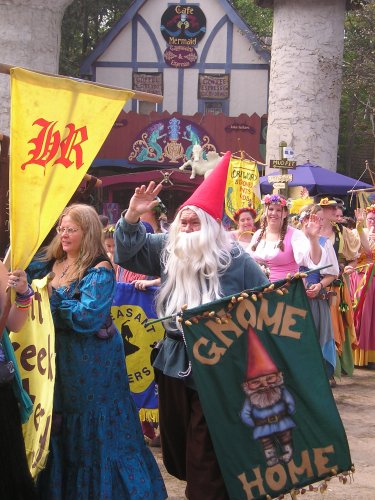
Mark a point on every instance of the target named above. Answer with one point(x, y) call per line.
point(355, 398)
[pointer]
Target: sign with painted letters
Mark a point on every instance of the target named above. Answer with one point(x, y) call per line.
point(261, 380)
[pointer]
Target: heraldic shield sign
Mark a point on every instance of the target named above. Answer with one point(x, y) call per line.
point(261, 380)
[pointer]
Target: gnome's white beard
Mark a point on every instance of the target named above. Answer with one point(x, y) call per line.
point(193, 264)
point(266, 398)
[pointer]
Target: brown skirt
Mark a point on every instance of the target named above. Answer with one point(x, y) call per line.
point(188, 453)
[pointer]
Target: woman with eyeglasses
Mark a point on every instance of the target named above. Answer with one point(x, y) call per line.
point(97, 448)
point(362, 287)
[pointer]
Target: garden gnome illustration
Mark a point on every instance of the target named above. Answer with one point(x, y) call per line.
point(268, 405)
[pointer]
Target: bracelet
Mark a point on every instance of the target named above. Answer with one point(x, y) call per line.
point(27, 295)
point(23, 305)
point(321, 285)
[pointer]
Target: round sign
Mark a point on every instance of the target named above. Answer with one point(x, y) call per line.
point(183, 25)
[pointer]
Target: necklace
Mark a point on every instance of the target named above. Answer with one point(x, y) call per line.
point(248, 234)
point(65, 269)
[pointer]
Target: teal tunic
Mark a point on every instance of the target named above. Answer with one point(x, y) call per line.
point(140, 252)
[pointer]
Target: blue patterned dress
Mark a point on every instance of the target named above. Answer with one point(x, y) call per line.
point(97, 449)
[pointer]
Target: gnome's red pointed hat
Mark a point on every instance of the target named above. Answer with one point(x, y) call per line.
point(209, 196)
point(259, 362)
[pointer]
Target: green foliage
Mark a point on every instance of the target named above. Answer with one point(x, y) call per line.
point(359, 56)
point(259, 19)
point(84, 23)
point(358, 101)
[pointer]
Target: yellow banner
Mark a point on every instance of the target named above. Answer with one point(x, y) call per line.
point(242, 189)
point(57, 127)
point(34, 348)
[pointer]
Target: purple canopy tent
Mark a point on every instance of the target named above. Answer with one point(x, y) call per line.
point(317, 180)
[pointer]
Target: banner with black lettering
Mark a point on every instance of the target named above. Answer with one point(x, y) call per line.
point(261, 380)
point(131, 309)
point(34, 348)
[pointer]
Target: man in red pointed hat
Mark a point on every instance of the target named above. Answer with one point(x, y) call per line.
point(198, 262)
point(269, 405)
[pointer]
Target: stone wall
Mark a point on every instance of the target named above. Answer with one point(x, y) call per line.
point(305, 79)
point(29, 37)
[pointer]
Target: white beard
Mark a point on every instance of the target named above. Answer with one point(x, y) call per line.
point(268, 397)
point(193, 266)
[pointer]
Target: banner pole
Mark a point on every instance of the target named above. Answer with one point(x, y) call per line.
point(140, 96)
point(271, 287)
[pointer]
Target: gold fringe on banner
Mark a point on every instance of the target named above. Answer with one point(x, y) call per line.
point(149, 415)
point(343, 477)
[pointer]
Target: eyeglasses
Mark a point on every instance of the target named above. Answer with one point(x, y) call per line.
point(68, 230)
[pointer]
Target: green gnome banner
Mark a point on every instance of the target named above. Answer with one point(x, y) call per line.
point(261, 380)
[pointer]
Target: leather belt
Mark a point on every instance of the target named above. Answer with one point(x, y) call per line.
point(272, 419)
point(174, 336)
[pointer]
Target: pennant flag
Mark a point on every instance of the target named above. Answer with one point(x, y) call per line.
point(57, 127)
point(261, 380)
point(131, 310)
point(34, 347)
point(242, 189)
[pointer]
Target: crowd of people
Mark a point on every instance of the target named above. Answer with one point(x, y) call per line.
point(97, 447)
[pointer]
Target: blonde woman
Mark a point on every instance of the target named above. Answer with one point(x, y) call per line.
point(317, 289)
point(97, 448)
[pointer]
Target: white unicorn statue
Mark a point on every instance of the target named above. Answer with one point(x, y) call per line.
point(200, 166)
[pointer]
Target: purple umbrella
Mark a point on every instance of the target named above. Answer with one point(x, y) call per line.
point(317, 180)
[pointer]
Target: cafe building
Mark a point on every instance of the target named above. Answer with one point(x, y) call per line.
point(213, 74)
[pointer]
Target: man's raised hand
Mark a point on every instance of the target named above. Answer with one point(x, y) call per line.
point(143, 199)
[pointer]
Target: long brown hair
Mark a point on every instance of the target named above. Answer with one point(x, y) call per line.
point(92, 245)
point(263, 228)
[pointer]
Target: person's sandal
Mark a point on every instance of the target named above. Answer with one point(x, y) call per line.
point(332, 382)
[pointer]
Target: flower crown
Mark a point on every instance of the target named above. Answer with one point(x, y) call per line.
point(240, 211)
point(371, 208)
point(274, 199)
point(303, 215)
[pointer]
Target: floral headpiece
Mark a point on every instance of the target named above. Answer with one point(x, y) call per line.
point(371, 208)
point(304, 214)
point(240, 211)
point(109, 231)
point(326, 202)
point(274, 199)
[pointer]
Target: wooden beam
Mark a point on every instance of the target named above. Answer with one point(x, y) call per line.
point(140, 96)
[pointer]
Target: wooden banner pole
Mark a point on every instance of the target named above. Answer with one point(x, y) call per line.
point(140, 96)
